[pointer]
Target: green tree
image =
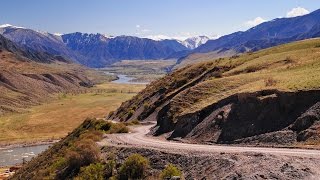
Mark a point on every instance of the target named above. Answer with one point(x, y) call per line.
point(134, 167)
point(170, 171)
point(92, 172)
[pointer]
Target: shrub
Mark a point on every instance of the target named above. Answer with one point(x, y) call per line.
point(110, 166)
point(118, 128)
point(111, 113)
point(217, 74)
point(130, 113)
point(170, 171)
point(134, 167)
point(93, 135)
point(289, 60)
point(134, 122)
point(104, 126)
point(92, 172)
point(88, 150)
point(146, 105)
point(270, 82)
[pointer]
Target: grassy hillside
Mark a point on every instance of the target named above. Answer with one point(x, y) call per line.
point(65, 159)
point(24, 82)
point(292, 67)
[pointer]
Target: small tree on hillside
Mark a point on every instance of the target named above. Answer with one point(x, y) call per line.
point(134, 167)
point(170, 171)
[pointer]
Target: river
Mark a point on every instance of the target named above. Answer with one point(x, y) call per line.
point(13, 156)
point(124, 79)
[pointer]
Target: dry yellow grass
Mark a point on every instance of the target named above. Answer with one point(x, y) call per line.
point(290, 67)
point(56, 118)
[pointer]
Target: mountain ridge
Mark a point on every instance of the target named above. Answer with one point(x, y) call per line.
point(93, 50)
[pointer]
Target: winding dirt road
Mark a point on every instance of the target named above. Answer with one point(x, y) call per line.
point(138, 138)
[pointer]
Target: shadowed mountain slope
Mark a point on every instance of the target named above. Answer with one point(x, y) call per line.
point(28, 77)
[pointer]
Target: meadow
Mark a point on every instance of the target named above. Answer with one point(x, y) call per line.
point(64, 112)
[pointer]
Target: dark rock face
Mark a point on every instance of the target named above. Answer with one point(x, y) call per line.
point(261, 117)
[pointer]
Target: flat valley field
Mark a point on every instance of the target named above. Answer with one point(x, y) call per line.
point(56, 118)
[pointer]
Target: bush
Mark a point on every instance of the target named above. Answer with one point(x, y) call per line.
point(110, 166)
point(134, 167)
point(92, 172)
point(270, 82)
point(118, 128)
point(111, 113)
point(81, 153)
point(130, 113)
point(134, 122)
point(170, 171)
point(146, 105)
point(92, 135)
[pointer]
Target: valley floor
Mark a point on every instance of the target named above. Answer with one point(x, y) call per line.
point(56, 118)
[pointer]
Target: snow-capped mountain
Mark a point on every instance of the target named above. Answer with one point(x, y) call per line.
point(267, 34)
point(194, 42)
point(93, 50)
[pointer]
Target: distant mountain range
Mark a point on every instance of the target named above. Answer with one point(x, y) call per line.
point(101, 50)
point(268, 34)
point(98, 50)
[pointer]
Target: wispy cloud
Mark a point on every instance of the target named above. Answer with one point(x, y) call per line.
point(254, 22)
point(298, 11)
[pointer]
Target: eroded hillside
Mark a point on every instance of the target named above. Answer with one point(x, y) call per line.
point(183, 100)
point(27, 77)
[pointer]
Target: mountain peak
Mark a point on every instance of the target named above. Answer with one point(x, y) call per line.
point(10, 26)
point(195, 42)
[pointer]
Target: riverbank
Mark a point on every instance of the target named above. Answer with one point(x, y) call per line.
point(139, 71)
point(5, 146)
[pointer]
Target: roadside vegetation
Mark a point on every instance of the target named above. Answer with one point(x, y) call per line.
point(170, 171)
point(78, 156)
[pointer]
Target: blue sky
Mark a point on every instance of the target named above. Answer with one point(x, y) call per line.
point(173, 18)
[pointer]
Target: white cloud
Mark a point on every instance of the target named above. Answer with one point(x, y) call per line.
point(298, 11)
point(256, 21)
point(138, 26)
